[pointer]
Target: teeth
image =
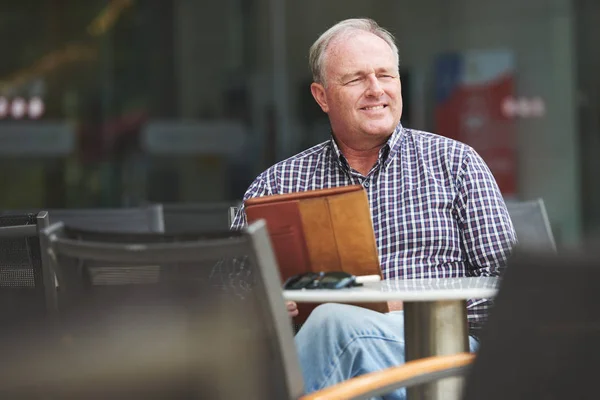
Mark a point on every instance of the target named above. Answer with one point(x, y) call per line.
point(374, 108)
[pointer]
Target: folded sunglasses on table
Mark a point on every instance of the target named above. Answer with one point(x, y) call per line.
point(321, 280)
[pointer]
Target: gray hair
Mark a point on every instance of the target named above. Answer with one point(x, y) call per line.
point(316, 56)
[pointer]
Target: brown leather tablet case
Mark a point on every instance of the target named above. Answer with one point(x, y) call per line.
point(320, 230)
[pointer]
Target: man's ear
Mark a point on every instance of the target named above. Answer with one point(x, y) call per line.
point(318, 92)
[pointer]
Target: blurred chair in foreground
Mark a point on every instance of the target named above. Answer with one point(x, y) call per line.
point(182, 333)
point(542, 338)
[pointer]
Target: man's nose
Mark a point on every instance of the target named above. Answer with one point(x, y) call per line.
point(373, 88)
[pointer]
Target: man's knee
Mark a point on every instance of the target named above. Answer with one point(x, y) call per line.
point(333, 317)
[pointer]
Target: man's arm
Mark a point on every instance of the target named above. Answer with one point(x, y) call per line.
point(486, 228)
point(258, 188)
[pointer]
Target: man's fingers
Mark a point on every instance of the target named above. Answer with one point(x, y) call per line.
point(292, 308)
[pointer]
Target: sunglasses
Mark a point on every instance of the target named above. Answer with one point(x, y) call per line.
point(321, 280)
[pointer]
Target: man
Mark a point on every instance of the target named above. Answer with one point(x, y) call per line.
point(436, 208)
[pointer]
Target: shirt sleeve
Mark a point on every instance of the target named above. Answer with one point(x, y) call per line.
point(487, 232)
point(486, 228)
point(258, 188)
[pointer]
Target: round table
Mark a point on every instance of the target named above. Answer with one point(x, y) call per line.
point(407, 290)
point(435, 317)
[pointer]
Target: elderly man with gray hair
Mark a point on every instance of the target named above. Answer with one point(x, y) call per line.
point(436, 208)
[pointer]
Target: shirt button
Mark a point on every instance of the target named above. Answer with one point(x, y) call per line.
point(366, 184)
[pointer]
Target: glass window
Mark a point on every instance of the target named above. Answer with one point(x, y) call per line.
point(122, 102)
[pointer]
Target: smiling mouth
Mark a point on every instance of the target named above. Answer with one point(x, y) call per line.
point(373, 108)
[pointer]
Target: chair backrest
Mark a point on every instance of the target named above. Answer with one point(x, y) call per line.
point(212, 320)
point(531, 225)
point(27, 289)
point(198, 217)
point(542, 334)
point(132, 219)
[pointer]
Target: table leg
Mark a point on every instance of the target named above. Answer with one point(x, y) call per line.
point(431, 329)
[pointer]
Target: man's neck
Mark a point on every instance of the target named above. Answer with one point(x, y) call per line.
point(361, 160)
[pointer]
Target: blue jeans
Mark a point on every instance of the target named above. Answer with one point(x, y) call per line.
point(339, 342)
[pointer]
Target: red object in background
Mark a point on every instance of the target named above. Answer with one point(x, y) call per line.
point(471, 91)
point(99, 141)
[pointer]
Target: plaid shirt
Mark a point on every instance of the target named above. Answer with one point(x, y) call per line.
point(437, 211)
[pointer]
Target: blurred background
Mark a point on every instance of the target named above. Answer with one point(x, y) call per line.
point(123, 102)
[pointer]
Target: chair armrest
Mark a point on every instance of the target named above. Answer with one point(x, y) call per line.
point(412, 373)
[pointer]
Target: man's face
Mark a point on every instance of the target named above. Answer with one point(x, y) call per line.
point(362, 94)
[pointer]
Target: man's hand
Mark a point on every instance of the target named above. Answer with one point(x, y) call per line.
point(395, 305)
point(292, 308)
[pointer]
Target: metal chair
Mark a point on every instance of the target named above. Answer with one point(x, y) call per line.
point(205, 217)
point(181, 330)
point(133, 219)
point(542, 333)
point(532, 226)
point(27, 289)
